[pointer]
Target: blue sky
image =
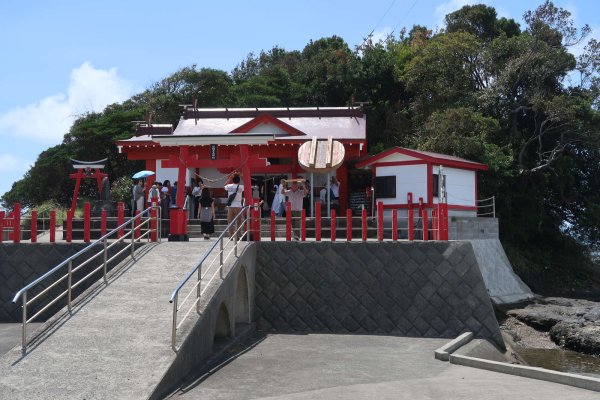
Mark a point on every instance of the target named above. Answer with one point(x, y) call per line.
point(63, 58)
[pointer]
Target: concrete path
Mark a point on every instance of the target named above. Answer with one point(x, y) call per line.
point(10, 335)
point(117, 342)
point(360, 367)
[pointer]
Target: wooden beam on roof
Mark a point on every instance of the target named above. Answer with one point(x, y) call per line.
point(190, 113)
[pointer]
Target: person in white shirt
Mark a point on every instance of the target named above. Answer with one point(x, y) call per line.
point(323, 195)
point(296, 197)
point(234, 187)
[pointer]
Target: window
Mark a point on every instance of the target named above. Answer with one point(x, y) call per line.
point(385, 187)
point(436, 184)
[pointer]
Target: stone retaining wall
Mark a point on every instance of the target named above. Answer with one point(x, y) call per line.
point(427, 289)
point(22, 263)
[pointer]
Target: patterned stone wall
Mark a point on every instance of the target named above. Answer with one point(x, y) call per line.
point(426, 289)
point(22, 263)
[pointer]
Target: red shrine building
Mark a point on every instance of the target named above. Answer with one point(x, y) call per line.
point(261, 143)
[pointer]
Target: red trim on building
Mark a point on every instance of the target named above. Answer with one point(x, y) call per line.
point(447, 162)
point(267, 119)
point(399, 163)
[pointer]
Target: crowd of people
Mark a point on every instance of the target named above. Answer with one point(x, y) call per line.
point(201, 203)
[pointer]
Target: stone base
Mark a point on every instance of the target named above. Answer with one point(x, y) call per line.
point(179, 238)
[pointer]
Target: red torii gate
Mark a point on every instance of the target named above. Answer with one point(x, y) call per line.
point(80, 166)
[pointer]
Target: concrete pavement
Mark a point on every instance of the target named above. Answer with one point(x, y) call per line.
point(359, 367)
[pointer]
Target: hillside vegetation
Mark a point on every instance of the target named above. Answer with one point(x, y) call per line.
point(484, 88)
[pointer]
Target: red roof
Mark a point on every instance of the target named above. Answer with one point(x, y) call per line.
point(426, 156)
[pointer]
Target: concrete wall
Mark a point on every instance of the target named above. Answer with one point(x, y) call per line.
point(428, 289)
point(467, 228)
point(22, 263)
point(198, 344)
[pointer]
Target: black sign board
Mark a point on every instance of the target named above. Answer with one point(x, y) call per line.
point(213, 151)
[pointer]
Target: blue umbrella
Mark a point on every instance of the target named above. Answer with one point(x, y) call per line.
point(142, 174)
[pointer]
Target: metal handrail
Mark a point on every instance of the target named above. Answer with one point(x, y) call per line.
point(198, 269)
point(22, 293)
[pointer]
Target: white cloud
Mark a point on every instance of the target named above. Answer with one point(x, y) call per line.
point(90, 89)
point(381, 35)
point(10, 163)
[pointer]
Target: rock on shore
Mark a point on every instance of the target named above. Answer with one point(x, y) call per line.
point(572, 324)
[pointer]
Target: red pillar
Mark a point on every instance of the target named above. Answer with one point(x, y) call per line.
point(153, 224)
point(394, 225)
point(272, 225)
point(425, 226)
point(318, 221)
point(183, 155)
point(303, 225)
point(411, 232)
point(349, 225)
point(1, 226)
point(288, 221)
point(120, 218)
point(86, 221)
point(342, 177)
point(34, 226)
point(380, 221)
point(17, 223)
point(69, 226)
point(333, 225)
point(52, 226)
point(246, 179)
point(443, 216)
point(103, 223)
point(363, 220)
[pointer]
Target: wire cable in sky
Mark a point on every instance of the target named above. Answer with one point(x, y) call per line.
point(405, 15)
point(378, 22)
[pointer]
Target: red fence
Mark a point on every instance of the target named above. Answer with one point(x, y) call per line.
point(14, 227)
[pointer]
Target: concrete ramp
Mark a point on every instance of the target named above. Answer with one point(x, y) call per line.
point(503, 285)
point(116, 342)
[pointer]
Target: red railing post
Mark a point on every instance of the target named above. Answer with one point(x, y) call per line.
point(17, 223)
point(303, 226)
point(272, 226)
point(120, 218)
point(411, 224)
point(1, 226)
point(288, 221)
point(69, 226)
point(86, 221)
point(434, 224)
point(258, 222)
point(52, 226)
point(363, 220)
point(349, 225)
point(380, 221)
point(154, 222)
point(318, 221)
point(444, 221)
point(103, 223)
point(395, 225)
point(136, 224)
point(333, 225)
point(410, 215)
point(33, 226)
point(425, 226)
